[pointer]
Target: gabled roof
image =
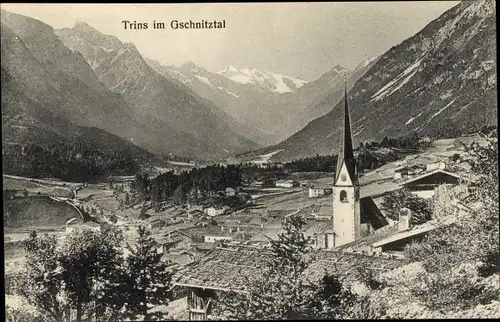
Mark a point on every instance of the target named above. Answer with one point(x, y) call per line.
point(346, 152)
point(370, 213)
point(416, 231)
point(429, 173)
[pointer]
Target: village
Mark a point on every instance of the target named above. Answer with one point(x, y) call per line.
point(201, 241)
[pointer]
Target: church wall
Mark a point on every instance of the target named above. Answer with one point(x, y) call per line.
point(346, 214)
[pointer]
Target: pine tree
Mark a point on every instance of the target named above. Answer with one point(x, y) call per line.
point(148, 281)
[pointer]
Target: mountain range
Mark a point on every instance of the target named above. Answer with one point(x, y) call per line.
point(442, 81)
point(117, 92)
point(77, 81)
point(260, 98)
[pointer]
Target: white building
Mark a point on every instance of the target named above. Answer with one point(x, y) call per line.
point(287, 183)
point(230, 192)
point(353, 217)
point(213, 239)
point(318, 192)
point(216, 211)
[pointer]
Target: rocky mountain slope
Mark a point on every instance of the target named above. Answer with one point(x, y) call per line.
point(121, 94)
point(443, 79)
point(249, 101)
point(25, 121)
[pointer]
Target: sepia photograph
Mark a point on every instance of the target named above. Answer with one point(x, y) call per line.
point(250, 161)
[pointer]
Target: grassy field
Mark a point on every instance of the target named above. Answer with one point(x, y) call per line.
point(36, 211)
point(35, 187)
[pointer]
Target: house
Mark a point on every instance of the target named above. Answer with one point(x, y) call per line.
point(287, 183)
point(257, 184)
point(316, 192)
point(408, 171)
point(268, 183)
point(320, 232)
point(195, 214)
point(216, 211)
point(213, 233)
point(215, 272)
point(319, 192)
point(405, 234)
point(230, 192)
point(424, 184)
point(177, 239)
point(279, 165)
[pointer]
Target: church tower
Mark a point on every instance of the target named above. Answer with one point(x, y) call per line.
point(346, 207)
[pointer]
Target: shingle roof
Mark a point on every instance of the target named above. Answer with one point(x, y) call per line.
point(224, 268)
point(345, 264)
point(229, 268)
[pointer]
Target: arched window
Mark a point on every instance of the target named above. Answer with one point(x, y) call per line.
point(343, 196)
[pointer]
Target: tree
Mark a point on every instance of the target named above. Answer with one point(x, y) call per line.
point(148, 281)
point(90, 262)
point(40, 281)
point(421, 208)
point(25, 193)
point(280, 292)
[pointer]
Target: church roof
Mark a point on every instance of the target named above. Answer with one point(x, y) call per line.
point(346, 152)
point(370, 213)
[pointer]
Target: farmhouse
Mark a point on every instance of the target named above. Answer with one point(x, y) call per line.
point(287, 183)
point(229, 269)
point(426, 182)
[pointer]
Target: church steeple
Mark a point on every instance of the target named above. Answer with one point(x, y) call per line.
point(346, 196)
point(346, 152)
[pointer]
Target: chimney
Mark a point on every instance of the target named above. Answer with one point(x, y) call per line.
point(404, 219)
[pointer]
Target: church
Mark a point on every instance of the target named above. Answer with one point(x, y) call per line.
point(353, 217)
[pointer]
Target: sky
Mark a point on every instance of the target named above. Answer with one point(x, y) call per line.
point(295, 39)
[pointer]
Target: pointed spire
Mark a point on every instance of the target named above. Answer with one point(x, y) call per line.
point(346, 153)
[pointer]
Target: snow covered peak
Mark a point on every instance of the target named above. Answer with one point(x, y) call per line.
point(263, 79)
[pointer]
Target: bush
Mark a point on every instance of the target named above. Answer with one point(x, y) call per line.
point(461, 261)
